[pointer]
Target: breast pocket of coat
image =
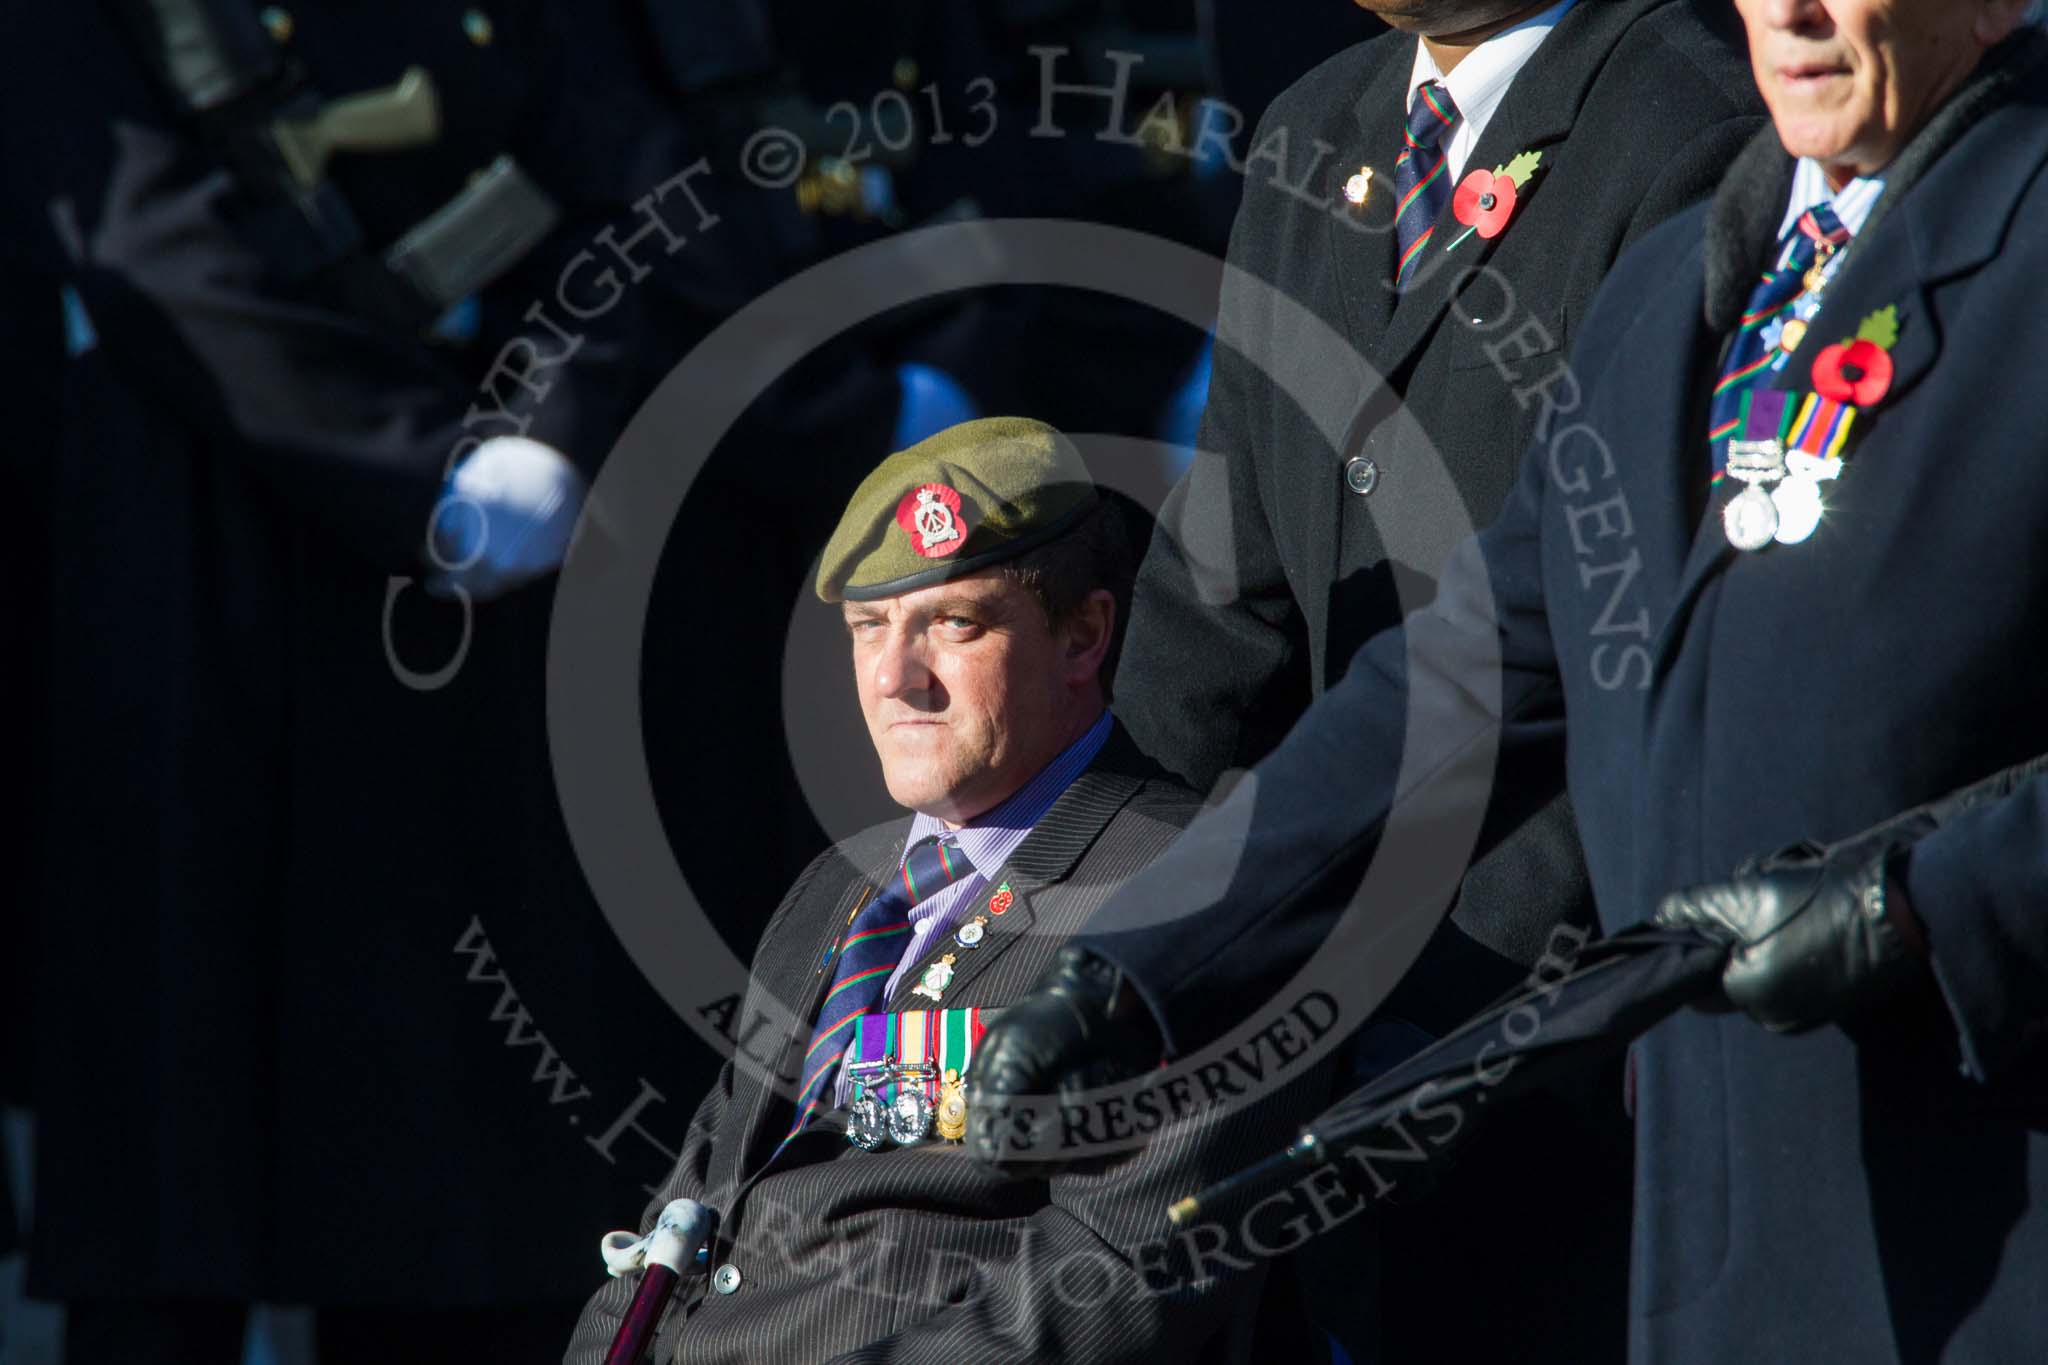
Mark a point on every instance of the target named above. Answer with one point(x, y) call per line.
point(1524, 347)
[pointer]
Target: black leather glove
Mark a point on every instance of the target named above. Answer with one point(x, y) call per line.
point(1082, 1026)
point(1817, 933)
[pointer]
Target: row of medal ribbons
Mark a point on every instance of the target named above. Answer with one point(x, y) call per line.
point(909, 1073)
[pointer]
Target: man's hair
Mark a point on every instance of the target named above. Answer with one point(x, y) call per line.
point(1100, 552)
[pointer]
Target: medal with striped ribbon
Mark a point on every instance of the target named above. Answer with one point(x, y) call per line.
point(910, 1069)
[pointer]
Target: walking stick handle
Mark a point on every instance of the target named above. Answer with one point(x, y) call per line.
point(659, 1258)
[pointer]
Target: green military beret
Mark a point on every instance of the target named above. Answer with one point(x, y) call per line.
point(970, 497)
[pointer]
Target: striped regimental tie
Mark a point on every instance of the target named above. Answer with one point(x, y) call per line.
point(1752, 357)
point(866, 958)
point(1422, 175)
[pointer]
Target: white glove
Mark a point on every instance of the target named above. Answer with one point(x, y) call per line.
point(505, 517)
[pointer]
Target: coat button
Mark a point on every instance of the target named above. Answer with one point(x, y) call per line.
point(726, 1278)
point(1361, 476)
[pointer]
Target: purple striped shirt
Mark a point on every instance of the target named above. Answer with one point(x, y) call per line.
point(988, 840)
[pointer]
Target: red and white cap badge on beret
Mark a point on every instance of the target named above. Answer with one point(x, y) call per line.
point(930, 515)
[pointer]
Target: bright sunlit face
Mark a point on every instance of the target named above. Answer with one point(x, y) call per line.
point(1848, 82)
point(968, 693)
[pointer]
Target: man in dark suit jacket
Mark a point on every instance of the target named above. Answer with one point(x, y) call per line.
point(1860, 1192)
point(1635, 107)
point(982, 579)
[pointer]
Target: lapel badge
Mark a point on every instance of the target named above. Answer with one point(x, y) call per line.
point(936, 978)
point(931, 516)
point(1485, 200)
point(1002, 900)
point(1359, 186)
point(972, 933)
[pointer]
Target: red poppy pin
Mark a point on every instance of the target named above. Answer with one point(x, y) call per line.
point(1001, 900)
point(1858, 371)
point(1485, 200)
point(930, 515)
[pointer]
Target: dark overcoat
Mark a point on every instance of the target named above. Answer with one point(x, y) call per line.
point(919, 1253)
point(1866, 1191)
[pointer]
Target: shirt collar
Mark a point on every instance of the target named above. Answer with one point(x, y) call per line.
point(1852, 203)
point(990, 838)
point(1480, 82)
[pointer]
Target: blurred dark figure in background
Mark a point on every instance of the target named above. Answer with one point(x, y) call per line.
point(1253, 57)
point(305, 899)
point(31, 337)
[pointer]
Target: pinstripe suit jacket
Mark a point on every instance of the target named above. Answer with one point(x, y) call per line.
point(919, 1254)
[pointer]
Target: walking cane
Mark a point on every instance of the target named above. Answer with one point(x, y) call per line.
point(683, 1228)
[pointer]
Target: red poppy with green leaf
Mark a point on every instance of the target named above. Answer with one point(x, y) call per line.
point(1859, 369)
point(1486, 200)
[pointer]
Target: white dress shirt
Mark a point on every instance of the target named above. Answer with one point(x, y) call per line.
point(1852, 205)
point(1480, 82)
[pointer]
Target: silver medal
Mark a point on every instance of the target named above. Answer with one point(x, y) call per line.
point(1798, 505)
point(1751, 519)
point(910, 1117)
point(1756, 461)
point(866, 1123)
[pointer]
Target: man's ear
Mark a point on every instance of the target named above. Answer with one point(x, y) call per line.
point(1088, 630)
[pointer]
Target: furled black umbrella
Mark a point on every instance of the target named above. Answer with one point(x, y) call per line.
point(1618, 989)
point(1620, 986)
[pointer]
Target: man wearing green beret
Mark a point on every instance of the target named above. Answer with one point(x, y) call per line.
point(983, 580)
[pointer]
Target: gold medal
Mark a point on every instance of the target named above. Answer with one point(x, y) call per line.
point(1794, 332)
point(951, 1122)
point(1817, 273)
